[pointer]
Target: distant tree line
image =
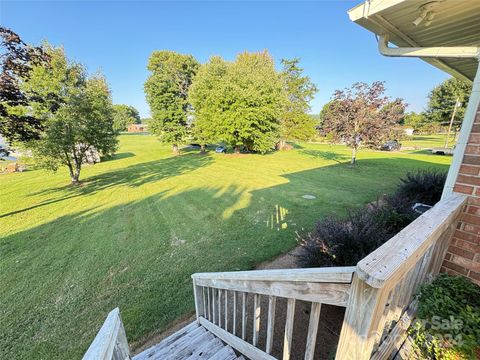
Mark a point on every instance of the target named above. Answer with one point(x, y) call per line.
point(245, 103)
point(442, 101)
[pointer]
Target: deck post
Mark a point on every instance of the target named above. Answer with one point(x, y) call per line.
point(363, 321)
point(198, 300)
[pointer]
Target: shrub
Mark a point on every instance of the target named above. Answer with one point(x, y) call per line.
point(448, 319)
point(424, 186)
point(342, 242)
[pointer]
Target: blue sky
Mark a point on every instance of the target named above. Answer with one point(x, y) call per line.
point(117, 38)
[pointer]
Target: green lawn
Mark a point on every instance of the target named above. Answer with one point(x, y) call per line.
point(140, 224)
point(428, 141)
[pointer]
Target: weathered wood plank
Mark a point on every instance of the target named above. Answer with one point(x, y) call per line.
point(225, 353)
point(204, 300)
point(364, 312)
point(287, 341)
point(312, 330)
point(219, 307)
point(397, 336)
point(234, 332)
point(272, 300)
point(214, 305)
point(196, 296)
point(209, 308)
point(111, 341)
point(242, 346)
point(328, 275)
point(334, 294)
point(256, 318)
point(148, 353)
point(393, 259)
point(244, 315)
point(226, 310)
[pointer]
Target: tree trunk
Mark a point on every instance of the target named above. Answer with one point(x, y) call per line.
point(237, 149)
point(74, 173)
point(175, 149)
point(354, 156)
point(202, 149)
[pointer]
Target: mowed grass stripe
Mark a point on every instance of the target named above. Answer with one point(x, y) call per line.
point(141, 223)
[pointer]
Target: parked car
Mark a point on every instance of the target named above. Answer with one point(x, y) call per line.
point(221, 149)
point(443, 151)
point(4, 152)
point(391, 145)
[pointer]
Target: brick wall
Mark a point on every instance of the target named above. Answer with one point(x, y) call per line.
point(463, 256)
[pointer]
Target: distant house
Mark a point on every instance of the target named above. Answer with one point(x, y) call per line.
point(135, 128)
point(408, 131)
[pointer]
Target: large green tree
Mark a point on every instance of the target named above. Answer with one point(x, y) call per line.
point(124, 115)
point(442, 100)
point(295, 123)
point(166, 90)
point(82, 125)
point(16, 62)
point(362, 116)
point(253, 99)
point(205, 94)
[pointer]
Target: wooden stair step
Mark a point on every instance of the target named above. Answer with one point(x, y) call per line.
point(179, 344)
point(193, 342)
point(206, 350)
point(168, 341)
point(189, 348)
point(226, 353)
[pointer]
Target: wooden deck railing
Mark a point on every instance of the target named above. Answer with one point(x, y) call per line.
point(111, 342)
point(380, 305)
point(221, 302)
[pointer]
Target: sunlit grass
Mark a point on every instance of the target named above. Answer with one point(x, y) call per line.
point(140, 224)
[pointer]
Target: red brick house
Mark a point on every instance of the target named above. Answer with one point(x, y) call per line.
point(136, 128)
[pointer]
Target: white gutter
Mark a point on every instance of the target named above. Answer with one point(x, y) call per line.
point(473, 102)
point(457, 52)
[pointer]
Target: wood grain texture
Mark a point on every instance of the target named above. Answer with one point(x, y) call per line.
point(111, 342)
point(238, 344)
point(287, 340)
point(393, 259)
point(326, 293)
point(272, 300)
point(312, 330)
point(328, 275)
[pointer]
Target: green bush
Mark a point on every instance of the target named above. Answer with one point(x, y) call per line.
point(345, 241)
point(424, 186)
point(448, 319)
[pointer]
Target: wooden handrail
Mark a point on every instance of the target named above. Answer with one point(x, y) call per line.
point(216, 302)
point(386, 281)
point(393, 259)
point(111, 342)
point(324, 275)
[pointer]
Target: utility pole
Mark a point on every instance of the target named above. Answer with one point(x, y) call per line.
point(457, 105)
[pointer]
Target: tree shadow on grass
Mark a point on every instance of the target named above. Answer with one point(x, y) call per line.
point(61, 278)
point(132, 176)
point(118, 156)
point(326, 155)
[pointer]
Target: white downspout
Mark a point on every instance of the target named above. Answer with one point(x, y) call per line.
point(473, 102)
point(459, 152)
